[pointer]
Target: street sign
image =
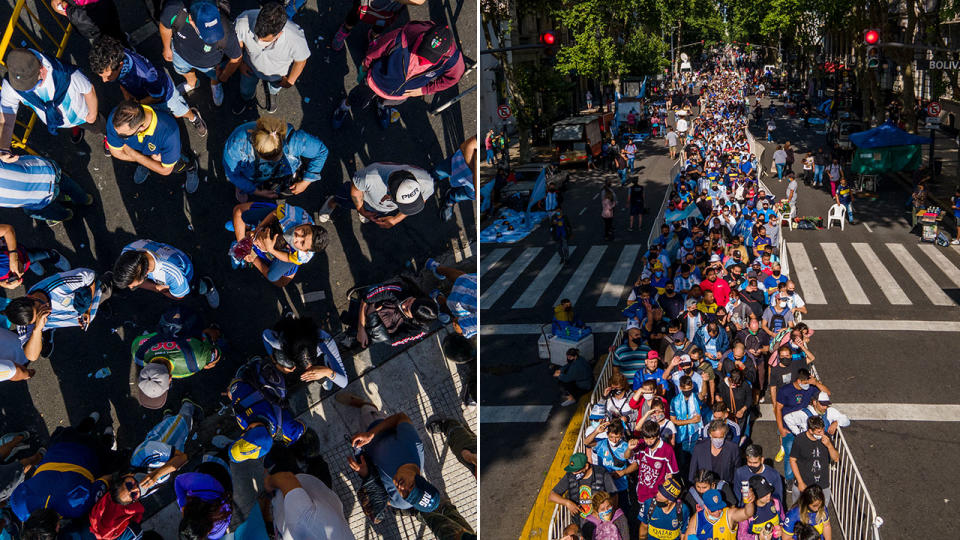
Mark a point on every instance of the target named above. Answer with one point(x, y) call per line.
point(503, 112)
point(933, 120)
point(933, 109)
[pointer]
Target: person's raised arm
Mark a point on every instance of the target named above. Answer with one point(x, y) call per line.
point(362, 439)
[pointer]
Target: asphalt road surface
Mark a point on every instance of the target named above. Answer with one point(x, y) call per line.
point(62, 393)
point(519, 406)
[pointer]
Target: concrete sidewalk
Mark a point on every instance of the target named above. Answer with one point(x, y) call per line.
point(418, 382)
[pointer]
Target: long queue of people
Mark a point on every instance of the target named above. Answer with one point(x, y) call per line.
point(78, 484)
point(712, 325)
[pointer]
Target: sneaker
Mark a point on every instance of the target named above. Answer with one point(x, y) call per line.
point(243, 106)
point(95, 416)
point(198, 414)
point(383, 115)
point(339, 38)
point(36, 268)
point(363, 218)
point(955, 242)
point(198, 122)
point(339, 115)
point(52, 222)
point(211, 294)
point(323, 215)
point(193, 180)
point(185, 89)
point(76, 135)
point(217, 91)
point(432, 266)
point(62, 263)
point(106, 147)
point(435, 424)
point(141, 174)
point(108, 434)
point(568, 402)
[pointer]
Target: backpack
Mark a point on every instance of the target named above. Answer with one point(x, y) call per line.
point(183, 16)
point(606, 530)
point(596, 481)
point(777, 322)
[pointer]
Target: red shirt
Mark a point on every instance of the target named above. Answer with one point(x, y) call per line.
point(654, 466)
point(720, 288)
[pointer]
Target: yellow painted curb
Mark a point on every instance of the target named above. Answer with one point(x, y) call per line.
point(538, 522)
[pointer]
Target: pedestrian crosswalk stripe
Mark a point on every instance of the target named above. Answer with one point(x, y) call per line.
point(496, 290)
point(503, 414)
point(848, 282)
point(544, 278)
point(919, 275)
point(942, 262)
point(491, 259)
point(804, 274)
point(581, 276)
point(617, 284)
point(887, 284)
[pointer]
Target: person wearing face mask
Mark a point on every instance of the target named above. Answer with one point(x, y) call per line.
point(670, 302)
point(663, 516)
point(686, 278)
point(755, 466)
point(739, 311)
point(617, 402)
point(768, 514)
point(736, 393)
point(789, 293)
point(833, 419)
point(716, 454)
point(653, 460)
point(703, 481)
point(810, 458)
point(686, 416)
point(576, 488)
point(657, 413)
point(576, 377)
point(716, 520)
point(693, 320)
point(772, 282)
point(809, 519)
point(712, 342)
point(610, 453)
point(776, 317)
point(631, 356)
point(646, 394)
point(659, 277)
point(606, 521)
point(793, 397)
point(752, 295)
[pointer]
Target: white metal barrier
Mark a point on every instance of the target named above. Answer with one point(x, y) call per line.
point(674, 171)
point(561, 515)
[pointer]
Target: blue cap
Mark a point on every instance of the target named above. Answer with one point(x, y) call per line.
point(688, 243)
point(253, 444)
point(713, 500)
point(207, 18)
point(424, 496)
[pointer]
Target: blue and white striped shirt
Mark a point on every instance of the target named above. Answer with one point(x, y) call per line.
point(69, 295)
point(30, 182)
point(173, 269)
point(462, 302)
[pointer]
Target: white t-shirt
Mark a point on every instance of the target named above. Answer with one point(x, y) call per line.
point(271, 61)
point(682, 125)
point(310, 512)
point(672, 138)
point(74, 107)
point(792, 190)
point(373, 181)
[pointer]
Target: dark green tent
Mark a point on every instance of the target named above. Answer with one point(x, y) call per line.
point(886, 148)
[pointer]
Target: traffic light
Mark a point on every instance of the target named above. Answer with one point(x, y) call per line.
point(872, 39)
point(549, 41)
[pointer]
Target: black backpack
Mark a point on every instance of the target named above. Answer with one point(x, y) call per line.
point(183, 16)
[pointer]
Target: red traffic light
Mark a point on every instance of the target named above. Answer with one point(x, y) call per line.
point(871, 37)
point(748, 44)
point(548, 38)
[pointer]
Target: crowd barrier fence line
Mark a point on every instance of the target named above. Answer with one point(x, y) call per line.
point(32, 37)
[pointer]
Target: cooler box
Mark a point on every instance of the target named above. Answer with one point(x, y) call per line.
point(554, 348)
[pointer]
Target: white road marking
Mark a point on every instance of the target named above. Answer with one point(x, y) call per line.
point(581, 276)
point(582, 210)
point(919, 275)
point(882, 276)
point(867, 227)
point(886, 412)
point(804, 274)
point(942, 262)
point(492, 259)
point(496, 290)
point(544, 278)
point(313, 296)
point(865, 325)
point(615, 287)
point(505, 414)
point(846, 277)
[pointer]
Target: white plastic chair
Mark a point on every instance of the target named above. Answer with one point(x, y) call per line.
point(837, 212)
point(788, 218)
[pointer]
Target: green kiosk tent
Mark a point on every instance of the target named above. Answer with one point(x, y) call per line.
point(886, 148)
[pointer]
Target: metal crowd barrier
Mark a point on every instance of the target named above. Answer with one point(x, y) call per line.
point(33, 33)
point(561, 515)
point(674, 171)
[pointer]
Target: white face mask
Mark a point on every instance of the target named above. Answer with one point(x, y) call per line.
point(648, 396)
point(717, 443)
point(817, 437)
point(804, 386)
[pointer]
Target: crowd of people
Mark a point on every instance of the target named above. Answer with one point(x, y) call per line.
point(79, 484)
point(713, 324)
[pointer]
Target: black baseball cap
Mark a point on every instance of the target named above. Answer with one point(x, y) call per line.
point(435, 43)
point(23, 69)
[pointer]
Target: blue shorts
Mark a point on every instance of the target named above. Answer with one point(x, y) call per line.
point(183, 67)
point(176, 105)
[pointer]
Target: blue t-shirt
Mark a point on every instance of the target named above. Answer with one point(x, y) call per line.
point(793, 516)
point(771, 283)
point(173, 269)
point(640, 376)
point(605, 455)
point(844, 194)
point(142, 79)
point(661, 525)
point(162, 137)
point(391, 449)
point(794, 399)
point(65, 480)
